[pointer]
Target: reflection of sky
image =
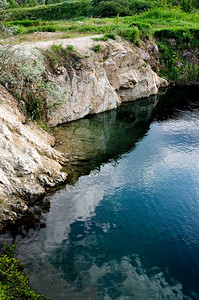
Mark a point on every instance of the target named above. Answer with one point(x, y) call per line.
point(152, 192)
point(149, 166)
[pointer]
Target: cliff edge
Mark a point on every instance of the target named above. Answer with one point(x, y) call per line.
point(28, 163)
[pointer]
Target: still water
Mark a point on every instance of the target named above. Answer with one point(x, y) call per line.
point(127, 224)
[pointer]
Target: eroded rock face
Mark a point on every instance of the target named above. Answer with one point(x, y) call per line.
point(28, 163)
point(102, 81)
point(95, 83)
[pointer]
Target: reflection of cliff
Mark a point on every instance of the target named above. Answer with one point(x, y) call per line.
point(95, 140)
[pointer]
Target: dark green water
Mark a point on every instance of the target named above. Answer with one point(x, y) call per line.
point(127, 225)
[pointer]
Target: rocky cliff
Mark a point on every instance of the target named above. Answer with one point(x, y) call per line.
point(96, 82)
point(101, 81)
point(28, 163)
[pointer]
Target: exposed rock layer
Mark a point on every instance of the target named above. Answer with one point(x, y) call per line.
point(95, 83)
point(28, 163)
point(101, 81)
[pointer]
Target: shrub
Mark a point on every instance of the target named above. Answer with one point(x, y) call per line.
point(130, 33)
point(184, 37)
point(191, 73)
point(97, 48)
point(13, 283)
point(144, 28)
point(57, 55)
point(26, 23)
point(110, 36)
point(138, 6)
point(103, 38)
point(23, 76)
point(186, 5)
point(12, 4)
point(112, 8)
point(4, 30)
point(53, 11)
point(168, 55)
point(174, 73)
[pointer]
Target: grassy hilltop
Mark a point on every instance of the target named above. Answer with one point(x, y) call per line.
point(134, 20)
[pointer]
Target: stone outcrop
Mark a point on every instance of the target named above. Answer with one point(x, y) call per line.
point(101, 81)
point(94, 83)
point(28, 163)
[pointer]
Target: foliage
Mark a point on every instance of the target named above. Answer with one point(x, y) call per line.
point(13, 283)
point(3, 27)
point(23, 76)
point(184, 37)
point(105, 37)
point(160, 19)
point(191, 73)
point(186, 5)
point(3, 5)
point(145, 29)
point(138, 6)
point(110, 36)
point(53, 11)
point(102, 38)
point(112, 8)
point(130, 33)
point(97, 48)
point(12, 4)
point(59, 56)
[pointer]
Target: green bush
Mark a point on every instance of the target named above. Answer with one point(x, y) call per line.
point(138, 6)
point(57, 55)
point(26, 23)
point(168, 55)
point(174, 73)
point(130, 33)
point(103, 38)
point(97, 48)
point(57, 11)
point(12, 4)
point(112, 8)
point(23, 75)
point(13, 282)
point(144, 28)
point(184, 37)
point(186, 5)
point(190, 73)
point(110, 36)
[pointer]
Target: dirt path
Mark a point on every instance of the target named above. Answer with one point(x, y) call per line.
point(81, 44)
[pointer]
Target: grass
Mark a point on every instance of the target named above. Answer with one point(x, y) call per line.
point(148, 23)
point(162, 24)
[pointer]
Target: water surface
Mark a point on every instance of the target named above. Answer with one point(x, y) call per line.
point(127, 224)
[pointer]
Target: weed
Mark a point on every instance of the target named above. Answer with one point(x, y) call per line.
point(103, 38)
point(57, 55)
point(129, 33)
point(97, 48)
point(23, 75)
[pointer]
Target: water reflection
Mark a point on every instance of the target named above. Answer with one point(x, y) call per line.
point(95, 140)
point(128, 226)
